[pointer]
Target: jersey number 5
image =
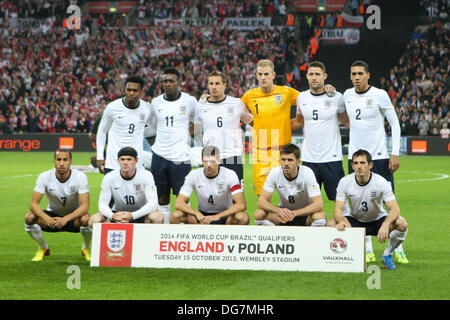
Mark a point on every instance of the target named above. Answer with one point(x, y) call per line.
point(315, 114)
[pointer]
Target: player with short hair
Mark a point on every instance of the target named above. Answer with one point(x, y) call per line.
point(270, 106)
point(133, 190)
point(367, 106)
point(173, 113)
point(220, 196)
point(321, 114)
point(300, 197)
point(67, 192)
point(220, 116)
point(124, 122)
point(366, 191)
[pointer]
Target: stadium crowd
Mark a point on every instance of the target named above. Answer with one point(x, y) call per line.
point(224, 8)
point(55, 80)
point(419, 85)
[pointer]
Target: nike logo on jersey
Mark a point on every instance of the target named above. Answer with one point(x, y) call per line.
point(115, 188)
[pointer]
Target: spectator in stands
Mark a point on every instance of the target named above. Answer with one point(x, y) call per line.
point(403, 123)
point(435, 125)
point(4, 128)
point(417, 35)
point(60, 125)
point(411, 128)
point(445, 131)
point(423, 126)
point(33, 121)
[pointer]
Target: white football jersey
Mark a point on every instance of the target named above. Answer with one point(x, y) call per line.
point(172, 131)
point(125, 128)
point(136, 195)
point(62, 196)
point(296, 193)
point(214, 194)
point(221, 124)
point(366, 201)
point(366, 112)
point(322, 138)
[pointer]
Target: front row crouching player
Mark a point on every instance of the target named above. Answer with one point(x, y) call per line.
point(133, 190)
point(366, 192)
point(301, 201)
point(220, 196)
point(67, 192)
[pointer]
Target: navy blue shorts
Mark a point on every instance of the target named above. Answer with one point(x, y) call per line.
point(168, 175)
point(371, 227)
point(69, 227)
point(139, 220)
point(221, 221)
point(329, 174)
point(235, 164)
point(381, 167)
point(298, 221)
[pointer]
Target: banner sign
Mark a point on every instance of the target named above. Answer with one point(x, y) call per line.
point(162, 52)
point(352, 21)
point(203, 22)
point(339, 36)
point(26, 22)
point(428, 146)
point(403, 145)
point(28, 142)
point(168, 22)
point(246, 23)
point(228, 247)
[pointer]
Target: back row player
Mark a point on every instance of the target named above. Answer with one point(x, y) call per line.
point(361, 108)
point(173, 115)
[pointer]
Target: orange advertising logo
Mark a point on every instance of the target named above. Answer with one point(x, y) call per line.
point(66, 143)
point(419, 146)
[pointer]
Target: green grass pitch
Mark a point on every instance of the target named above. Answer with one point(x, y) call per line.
point(422, 190)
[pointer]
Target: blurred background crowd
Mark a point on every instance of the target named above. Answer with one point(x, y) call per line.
point(53, 79)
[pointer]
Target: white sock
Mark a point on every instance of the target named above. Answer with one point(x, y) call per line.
point(399, 248)
point(319, 223)
point(165, 210)
point(395, 239)
point(86, 233)
point(369, 248)
point(35, 233)
point(264, 223)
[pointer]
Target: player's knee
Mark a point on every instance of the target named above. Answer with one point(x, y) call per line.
point(30, 218)
point(176, 217)
point(318, 215)
point(85, 220)
point(401, 224)
point(96, 218)
point(241, 218)
point(260, 215)
point(331, 223)
point(155, 217)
